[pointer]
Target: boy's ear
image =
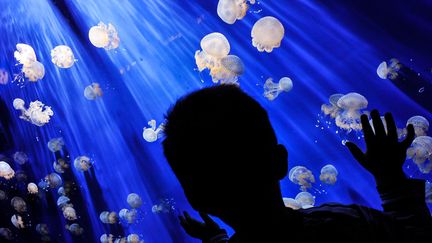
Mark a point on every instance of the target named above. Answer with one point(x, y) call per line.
point(281, 162)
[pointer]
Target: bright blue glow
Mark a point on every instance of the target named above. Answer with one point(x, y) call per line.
point(323, 52)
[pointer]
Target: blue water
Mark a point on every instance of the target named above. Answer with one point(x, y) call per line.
point(328, 48)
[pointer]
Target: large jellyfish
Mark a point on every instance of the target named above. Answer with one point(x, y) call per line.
point(20, 157)
point(420, 124)
point(32, 188)
point(230, 68)
point(34, 71)
point(37, 113)
point(328, 174)
point(55, 144)
point(75, 229)
point(351, 105)
point(421, 153)
point(291, 203)
point(6, 171)
point(108, 217)
point(134, 200)
point(305, 199)
point(4, 76)
point(103, 36)
point(53, 180)
point(93, 91)
point(151, 134)
point(17, 221)
point(231, 10)
point(389, 71)
point(25, 54)
point(128, 215)
point(267, 33)
point(134, 238)
point(69, 213)
point(332, 109)
point(272, 90)
point(62, 56)
point(19, 204)
point(215, 44)
point(82, 163)
point(300, 175)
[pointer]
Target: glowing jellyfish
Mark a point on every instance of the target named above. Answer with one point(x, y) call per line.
point(389, 71)
point(6, 171)
point(4, 76)
point(291, 203)
point(19, 204)
point(34, 71)
point(6, 233)
point(421, 153)
point(62, 201)
point(151, 134)
point(93, 91)
point(60, 165)
point(108, 217)
point(231, 10)
point(62, 56)
point(82, 163)
point(267, 33)
point(305, 199)
point(32, 188)
point(103, 36)
point(55, 144)
point(272, 90)
point(37, 113)
point(351, 105)
point(134, 200)
point(54, 180)
point(300, 175)
point(428, 191)
point(25, 54)
point(42, 229)
point(328, 174)
point(75, 229)
point(133, 238)
point(17, 221)
point(20, 157)
point(106, 238)
point(228, 71)
point(332, 109)
point(215, 44)
point(128, 215)
point(69, 213)
point(420, 124)
point(3, 195)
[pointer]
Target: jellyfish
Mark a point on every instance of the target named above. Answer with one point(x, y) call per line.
point(166, 205)
point(103, 36)
point(385, 71)
point(25, 54)
point(267, 33)
point(54, 180)
point(121, 240)
point(291, 203)
point(6, 233)
point(421, 153)
point(32, 188)
point(93, 91)
point(107, 238)
point(133, 238)
point(3, 195)
point(231, 10)
point(17, 221)
point(332, 109)
point(62, 56)
point(42, 229)
point(351, 105)
point(328, 174)
point(60, 165)
point(420, 124)
point(34, 71)
point(19, 204)
point(55, 144)
point(305, 199)
point(4, 76)
point(108, 217)
point(75, 229)
point(134, 200)
point(69, 213)
point(82, 163)
point(272, 90)
point(228, 71)
point(300, 175)
point(6, 171)
point(37, 113)
point(215, 44)
point(62, 201)
point(20, 157)
point(151, 134)
point(128, 215)
point(428, 190)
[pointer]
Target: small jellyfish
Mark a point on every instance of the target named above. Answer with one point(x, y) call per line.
point(128, 215)
point(328, 174)
point(151, 134)
point(385, 71)
point(75, 229)
point(215, 44)
point(17, 221)
point(62, 56)
point(267, 33)
point(18, 104)
point(93, 91)
point(82, 163)
point(62, 201)
point(134, 200)
point(6, 171)
point(55, 144)
point(34, 71)
point(351, 105)
point(108, 217)
point(291, 203)
point(231, 10)
point(60, 165)
point(25, 54)
point(420, 124)
point(300, 175)
point(4, 76)
point(105, 238)
point(69, 213)
point(19, 204)
point(305, 199)
point(32, 188)
point(166, 205)
point(103, 36)
point(133, 238)
point(3, 195)
point(272, 90)
point(6, 233)
point(421, 153)
point(230, 68)
point(20, 157)
point(54, 180)
point(42, 229)
point(332, 109)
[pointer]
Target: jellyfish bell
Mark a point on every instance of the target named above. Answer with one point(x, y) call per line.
point(19, 204)
point(18, 104)
point(267, 34)
point(34, 71)
point(6, 171)
point(54, 180)
point(302, 176)
point(305, 199)
point(351, 104)
point(25, 54)
point(75, 229)
point(134, 200)
point(103, 36)
point(231, 10)
point(285, 84)
point(215, 44)
point(93, 91)
point(382, 70)
point(55, 144)
point(62, 201)
point(17, 221)
point(69, 213)
point(20, 157)
point(291, 203)
point(420, 124)
point(334, 98)
point(229, 69)
point(82, 163)
point(32, 188)
point(329, 174)
point(133, 238)
point(62, 56)
point(421, 153)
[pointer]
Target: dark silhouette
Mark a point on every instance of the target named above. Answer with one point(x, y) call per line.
point(222, 148)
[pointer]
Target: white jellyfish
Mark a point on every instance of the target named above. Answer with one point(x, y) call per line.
point(332, 109)
point(75, 229)
point(428, 191)
point(134, 200)
point(62, 56)
point(351, 105)
point(267, 33)
point(151, 134)
point(305, 199)
point(133, 238)
point(32, 188)
point(328, 174)
point(25, 54)
point(37, 113)
point(421, 153)
point(62, 201)
point(228, 71)
point(93, 91)
point(53, 180)
point(60, 165)
point(231, 10)
point(69, 213)
point(108, 217)
point(42, 229)
point(6, 171)
point(19, 204)
point(20, 157)
point(34, 71)
point(420, 124)
point(128, 215)
point(17, 221)
point(105, 238)
point(389, 71)
point(291, 203)
point(166, 205)
point(6, 233)
point(82, 163)
point(103, 36)
point(272, 90)
point(215, 44)
point(300, 175)
point(4, 76)
point(55, 144)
